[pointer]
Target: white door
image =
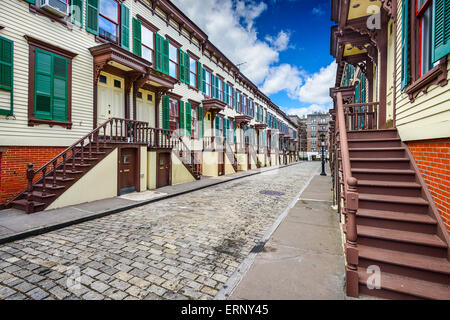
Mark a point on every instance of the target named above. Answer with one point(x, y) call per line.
point(111, 101)
point(145, 107)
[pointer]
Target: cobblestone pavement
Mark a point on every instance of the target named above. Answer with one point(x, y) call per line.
point(185, 247)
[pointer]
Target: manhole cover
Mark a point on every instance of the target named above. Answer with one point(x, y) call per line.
point(271, 193)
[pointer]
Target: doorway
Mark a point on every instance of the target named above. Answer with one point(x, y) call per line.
point(111, 101)
point(163, 169)
point(127, 170)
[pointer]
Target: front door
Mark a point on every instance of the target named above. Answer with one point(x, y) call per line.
point(127, 170)
point(145, 107)
point(111, 97)
point(221, 163)
point(163, 170)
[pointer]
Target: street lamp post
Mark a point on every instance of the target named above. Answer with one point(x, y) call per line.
point(322, 142)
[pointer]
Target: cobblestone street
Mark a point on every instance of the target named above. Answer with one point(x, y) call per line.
point(185, 247)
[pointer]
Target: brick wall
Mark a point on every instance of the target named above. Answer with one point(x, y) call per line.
point(14, 165)
point(433, 160)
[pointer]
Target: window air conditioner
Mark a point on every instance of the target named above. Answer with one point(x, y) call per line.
point(59, 8)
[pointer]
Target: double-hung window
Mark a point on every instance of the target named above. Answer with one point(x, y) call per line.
point(424, 14)
point(220, 89)
point(108, 21)
point(148, 43)
point(207, 80)
point(174, 115)
point(193, 72)
point(194, 122)
point(173, 61)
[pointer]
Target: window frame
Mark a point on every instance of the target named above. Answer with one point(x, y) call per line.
point(230, 96)
point(177, 116)
point(118, 31)
point(195, 121)
point(177, 64)
point(195, 85)
point(208, 77)
point(153, 51)
point(33, 44)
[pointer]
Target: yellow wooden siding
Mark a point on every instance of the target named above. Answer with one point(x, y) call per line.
point(428, 117)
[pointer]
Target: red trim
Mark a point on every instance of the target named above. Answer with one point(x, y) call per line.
point(117, 23)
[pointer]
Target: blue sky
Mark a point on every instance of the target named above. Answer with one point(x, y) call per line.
point(284, 44)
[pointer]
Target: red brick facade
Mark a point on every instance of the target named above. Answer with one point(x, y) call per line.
point(433, 160)
point(14, 165)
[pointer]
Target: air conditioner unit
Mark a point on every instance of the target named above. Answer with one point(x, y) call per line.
point(59, 8)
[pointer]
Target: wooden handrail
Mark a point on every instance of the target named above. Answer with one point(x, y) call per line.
point(350, 202)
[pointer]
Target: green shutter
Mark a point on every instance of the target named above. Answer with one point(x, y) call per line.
point(182, 66)
point(137, 37)
point(199, 76)
point(217, 126)
point(31, 1)
point(165, 112)
point(159, 56)
point(50, 100)
point(188, 119)
point(76, 11)
point(187, 68)
point(213, 85)
point(405, 40)
point(182, 123)
point(441, 29)
point(92, 16)
point(6, 72)
point(125, 27)
point(200, 121)
point(363, 88)
point(165, 55)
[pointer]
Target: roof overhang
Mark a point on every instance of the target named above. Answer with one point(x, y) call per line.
point(347, 93)
point(243, 119)
point(213, 105)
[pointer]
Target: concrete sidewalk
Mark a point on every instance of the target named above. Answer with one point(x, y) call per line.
point(303, 258)
point(15, 224)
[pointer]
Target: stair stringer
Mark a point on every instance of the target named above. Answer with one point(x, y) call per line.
point(99, 183)
point(180, 172)
point(432, 209)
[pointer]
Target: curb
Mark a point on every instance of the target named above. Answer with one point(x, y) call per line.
point(46, 229)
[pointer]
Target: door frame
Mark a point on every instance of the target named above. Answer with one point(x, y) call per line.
point(137, 166)
point(158, 152)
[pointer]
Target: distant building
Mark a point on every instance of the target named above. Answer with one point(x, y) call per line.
point(316, 125)
point(302, 144)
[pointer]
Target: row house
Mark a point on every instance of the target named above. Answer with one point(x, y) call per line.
point(389, 145)
point(301, 136)
point(103, 97)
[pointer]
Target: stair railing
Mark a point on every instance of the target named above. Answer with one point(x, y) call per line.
point(361, 116)
point(231, 154)
point(350, 207)
point(114, 130)
point(187, 156)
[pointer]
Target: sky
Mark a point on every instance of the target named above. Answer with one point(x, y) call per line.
point(283, 46)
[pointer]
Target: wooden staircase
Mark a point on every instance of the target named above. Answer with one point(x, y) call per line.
point(231, 156)
point(186, 156)
point(54, 178)
point(398, 228)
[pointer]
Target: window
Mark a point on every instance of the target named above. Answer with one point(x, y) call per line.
point(194, 122)
point(207, 84)
point(173, 61)
point(313, 149)
point(221, 95)
point(313, 128)
point(174, 116)
point(148, 47)
point(424, 13)
point(193, 72)
point(230, 95)
point(6, 76)
point(109, 20)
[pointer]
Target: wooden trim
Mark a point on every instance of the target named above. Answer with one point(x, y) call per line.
point(436, 76)
point(2, 27)
point(174, 96)
point(147, 23)
point(173, 42)
point(194, 103)
point(193, 55)
point(34, 44)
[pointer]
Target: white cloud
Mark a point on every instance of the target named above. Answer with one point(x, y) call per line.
point(283, 77)
point(318, 11)
point(230, 26)
point(281, 41)
point(309, 110)
point(316, 89)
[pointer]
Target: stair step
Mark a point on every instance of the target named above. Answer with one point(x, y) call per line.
point(389, 184)
point(39, 194)
point(85, 159)
point(373, 139)
point(401, 236)
point(377, 149)
point(58, 178)
point(48, 186)
point(383, 171)
point(396, 216)
point(410, 260)
point(393, 199)
point(24, 203)
point(405, 285)
point(379, 159)
point(69, 171)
